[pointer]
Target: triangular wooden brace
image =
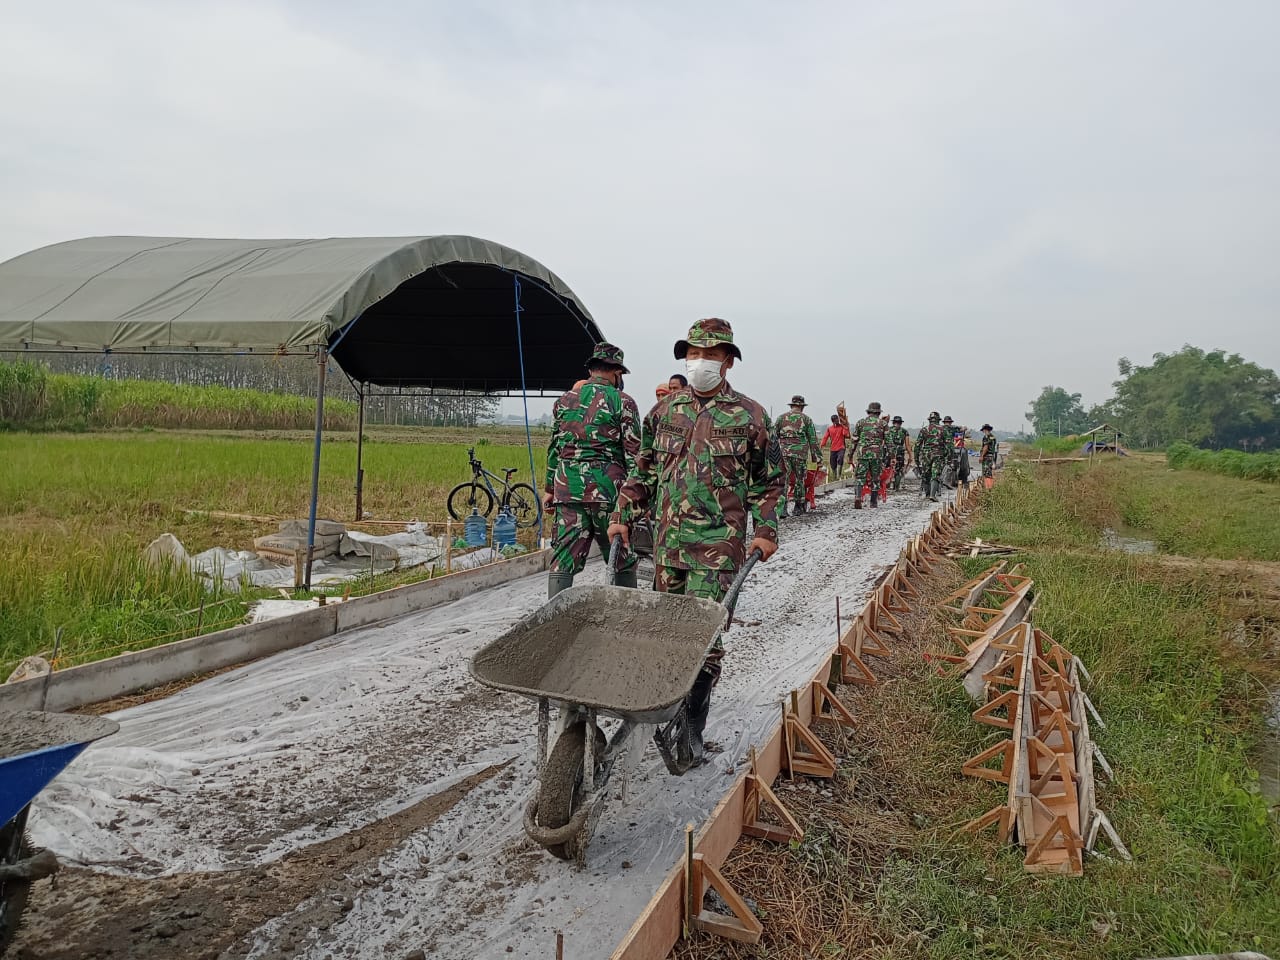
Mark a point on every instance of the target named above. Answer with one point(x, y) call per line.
point(1006, 701)
point(743, 926)
point(757, 794)
point(1007, 672)
point(881, 620)
point(1058, 721)
point(1060, 827)
point(827, 706)
point(902, 579)
point(1000, 815)
point(866, 640)
point(855, 669)
point(976, 766)
point(893, 601)
point(808, 754)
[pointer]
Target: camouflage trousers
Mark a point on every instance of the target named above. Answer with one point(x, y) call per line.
point(931, 468)
point(576, 525)
point(988, 468)
point(793, 477)
point(707, 584)
point(866, 473)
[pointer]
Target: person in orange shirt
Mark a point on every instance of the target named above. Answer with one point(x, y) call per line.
point(835, 437)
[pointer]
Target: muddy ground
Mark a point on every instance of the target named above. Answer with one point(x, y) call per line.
point(362, 796)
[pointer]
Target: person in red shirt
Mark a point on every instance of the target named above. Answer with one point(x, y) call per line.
point(835, 437)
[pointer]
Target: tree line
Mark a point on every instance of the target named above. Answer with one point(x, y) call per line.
point(292, 375)
point(1209, 399)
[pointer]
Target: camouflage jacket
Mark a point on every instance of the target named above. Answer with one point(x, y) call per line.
point(895, 439)
point(702, 467)
point(868, 438)
point(797, 435)
point(990, 448)
point(593, 443)
point(933, 441)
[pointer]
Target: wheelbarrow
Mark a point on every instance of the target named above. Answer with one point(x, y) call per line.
point(603, 651)
point(34, 748)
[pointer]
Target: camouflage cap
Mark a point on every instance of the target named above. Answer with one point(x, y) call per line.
point(798, 401)
point(873, 407)
point(712, 332)
point(934, 416)
point(607, 353)
point(947, 419)
point(897, 419)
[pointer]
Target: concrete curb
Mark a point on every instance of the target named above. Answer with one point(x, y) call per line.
point(132, 672)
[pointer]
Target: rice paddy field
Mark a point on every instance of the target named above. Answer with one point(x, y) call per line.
point(76, 511)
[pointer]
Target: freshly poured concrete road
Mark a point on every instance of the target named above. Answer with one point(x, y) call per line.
point(314, 742)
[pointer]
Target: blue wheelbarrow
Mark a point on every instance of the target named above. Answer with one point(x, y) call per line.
point(34, 748)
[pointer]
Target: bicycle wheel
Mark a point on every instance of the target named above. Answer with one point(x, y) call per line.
point(466, 496)
point(523, 501)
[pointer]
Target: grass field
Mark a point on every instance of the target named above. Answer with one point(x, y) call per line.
point(1185, 512)
point(77, 509)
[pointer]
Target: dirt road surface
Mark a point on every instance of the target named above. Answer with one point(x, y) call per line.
point(362, 796)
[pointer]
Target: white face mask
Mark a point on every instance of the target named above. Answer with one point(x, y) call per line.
point(704, 375)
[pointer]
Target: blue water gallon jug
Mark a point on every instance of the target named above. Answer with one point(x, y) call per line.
point(504, 529)
point(475, 530)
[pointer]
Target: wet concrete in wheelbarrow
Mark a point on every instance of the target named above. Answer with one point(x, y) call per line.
point(233, 777)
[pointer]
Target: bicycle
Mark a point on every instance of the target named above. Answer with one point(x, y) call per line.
point(479, 494)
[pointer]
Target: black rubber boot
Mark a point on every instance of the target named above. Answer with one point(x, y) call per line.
point(802, 506)
point(557, 581)
point(857, 504)
point(697, 707)
point(625, 578)
point(875, 498)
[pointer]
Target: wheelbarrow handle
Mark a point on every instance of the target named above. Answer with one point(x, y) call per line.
point(615, 551)
point(731, 598)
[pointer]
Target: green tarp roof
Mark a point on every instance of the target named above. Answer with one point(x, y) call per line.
point(432, 311)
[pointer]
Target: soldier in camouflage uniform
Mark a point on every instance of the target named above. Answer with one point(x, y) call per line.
point(868, 444)
point(703, 466)
point(990, 450)
point(593, 446)
point(799, 441)
point(933, 448)
point(898, 440)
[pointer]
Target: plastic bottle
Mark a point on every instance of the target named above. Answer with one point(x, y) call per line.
point(476, 529)
point(504, 529)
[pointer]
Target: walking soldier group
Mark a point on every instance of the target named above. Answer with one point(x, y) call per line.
point(700, 465)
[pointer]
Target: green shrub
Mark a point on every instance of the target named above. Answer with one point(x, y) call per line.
point(1264, 467)
point(32, 398)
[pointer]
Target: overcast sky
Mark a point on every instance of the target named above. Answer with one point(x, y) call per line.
point(934, 205)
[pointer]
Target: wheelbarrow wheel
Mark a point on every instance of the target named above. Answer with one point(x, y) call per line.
point(561, 790)
point(14, 846)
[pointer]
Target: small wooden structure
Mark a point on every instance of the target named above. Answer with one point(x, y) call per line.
point(1103, 438)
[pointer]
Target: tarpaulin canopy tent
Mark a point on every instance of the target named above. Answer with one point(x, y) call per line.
point(444, 312)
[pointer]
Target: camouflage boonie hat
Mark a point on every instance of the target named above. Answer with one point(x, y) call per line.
point(607, 353)
point(712, 332)
point(897, 419)
point(987, 426)
point(798, 401)
point(947, 420)
point(935, 416)
point(873, 407)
